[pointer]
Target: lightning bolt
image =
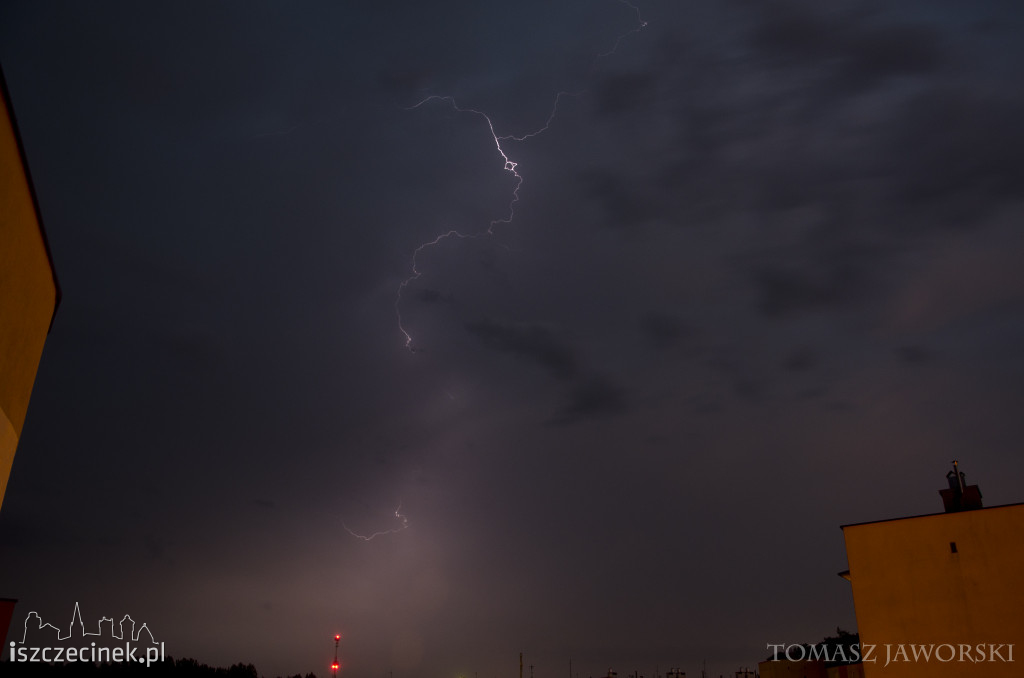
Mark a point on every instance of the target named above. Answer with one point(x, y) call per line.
point(640, 25)
point(510, 166)
point(403, 525)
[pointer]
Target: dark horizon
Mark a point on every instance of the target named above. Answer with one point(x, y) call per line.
point(763, 279)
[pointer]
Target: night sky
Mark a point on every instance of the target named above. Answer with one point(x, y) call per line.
point(764, 279)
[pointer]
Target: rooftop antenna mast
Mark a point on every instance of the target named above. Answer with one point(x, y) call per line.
point(959, 480)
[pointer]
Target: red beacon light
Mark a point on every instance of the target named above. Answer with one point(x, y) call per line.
point(335, 665)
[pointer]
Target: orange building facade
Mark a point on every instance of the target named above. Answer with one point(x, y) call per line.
point(28, 290)
point(942, 594)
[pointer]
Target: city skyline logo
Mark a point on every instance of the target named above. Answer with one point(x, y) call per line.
point(123, 641)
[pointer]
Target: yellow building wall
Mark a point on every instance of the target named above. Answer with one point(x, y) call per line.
point(846, 671)
point(910, 588)
point(28, 294)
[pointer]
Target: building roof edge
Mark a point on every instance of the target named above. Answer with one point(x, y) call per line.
point(32, 192)
point(929, 515)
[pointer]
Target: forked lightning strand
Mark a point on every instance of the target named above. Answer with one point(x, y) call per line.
point(640, 25)
point(509, 166)
point(404, 525)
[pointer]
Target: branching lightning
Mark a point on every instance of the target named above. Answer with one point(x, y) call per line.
point(403, 525)
point(510, 166)
point(640, 25)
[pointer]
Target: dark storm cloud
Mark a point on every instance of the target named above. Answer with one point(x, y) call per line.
point(955, 153)
point(810, 126)
point(193, 349)
point(430, 296)
point(784, 292)
point(750, 389)
point(533, 343)
point(831, 128)
point(802, 359)
point(590, 396)
point(887, 51)
point(948, 153)
point(594, 397)
point(405, 82)
point(154, 548)
point(914, 355)
point(663, 330)
point(623, 93)
point(854, 46)
point(623, 203)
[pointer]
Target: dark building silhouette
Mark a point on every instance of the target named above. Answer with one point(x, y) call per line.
point(960, 496)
